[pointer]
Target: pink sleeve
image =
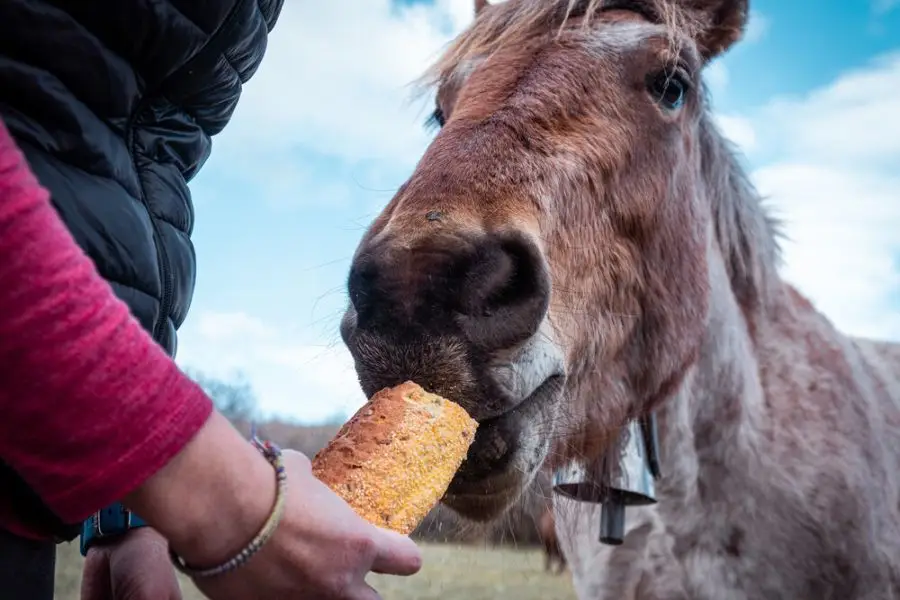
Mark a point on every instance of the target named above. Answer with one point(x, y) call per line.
point(90, 405)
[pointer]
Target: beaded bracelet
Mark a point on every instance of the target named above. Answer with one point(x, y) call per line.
point(272, 453)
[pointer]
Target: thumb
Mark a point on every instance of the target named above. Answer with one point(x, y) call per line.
point(396, 554)
point(296, 460)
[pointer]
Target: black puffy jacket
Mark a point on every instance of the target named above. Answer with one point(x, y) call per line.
point(114, 103)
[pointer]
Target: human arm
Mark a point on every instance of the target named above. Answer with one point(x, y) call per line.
point(81, 377)
point(95, 412)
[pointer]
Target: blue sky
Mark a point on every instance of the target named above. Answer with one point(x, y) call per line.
point(326, 130)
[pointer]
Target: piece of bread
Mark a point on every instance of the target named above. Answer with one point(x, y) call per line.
point(394, 459)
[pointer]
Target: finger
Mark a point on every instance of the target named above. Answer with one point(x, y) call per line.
point(141, 570)
point(95, 581)
point(297, 460)
point(396, 554)
point(150, 583)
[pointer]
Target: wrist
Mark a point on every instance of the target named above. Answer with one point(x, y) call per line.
point(212, 498)
point(108, 523)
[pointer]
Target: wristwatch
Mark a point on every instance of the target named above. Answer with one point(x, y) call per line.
point(110, 522)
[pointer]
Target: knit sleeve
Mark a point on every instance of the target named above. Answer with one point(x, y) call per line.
point(91, 406)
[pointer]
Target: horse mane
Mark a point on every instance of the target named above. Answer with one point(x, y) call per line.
point(748, 235)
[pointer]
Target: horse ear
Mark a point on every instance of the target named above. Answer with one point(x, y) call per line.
point(717, 24)
point(480, 5)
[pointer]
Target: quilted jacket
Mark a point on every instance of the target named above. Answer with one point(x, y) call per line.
point(114, 103)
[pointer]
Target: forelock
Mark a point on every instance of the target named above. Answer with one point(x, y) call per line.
point(519, 23)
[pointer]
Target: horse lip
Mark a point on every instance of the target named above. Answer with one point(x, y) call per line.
point(487, 418)
point(480, 507)
point(518, 374)
point(549, 387)
point(495, 493)
point(465, 484)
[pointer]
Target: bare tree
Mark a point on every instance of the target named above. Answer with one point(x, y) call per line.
point(235, 399)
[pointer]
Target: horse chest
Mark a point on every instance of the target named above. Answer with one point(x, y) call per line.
point(761, 553)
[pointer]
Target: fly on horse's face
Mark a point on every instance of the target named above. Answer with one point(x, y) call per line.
point(545, 265)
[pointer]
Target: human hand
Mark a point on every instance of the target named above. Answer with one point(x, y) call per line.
point(321, 549)
point(213, 497)
point(133, 567)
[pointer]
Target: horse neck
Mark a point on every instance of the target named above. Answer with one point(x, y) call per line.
point(716, 413)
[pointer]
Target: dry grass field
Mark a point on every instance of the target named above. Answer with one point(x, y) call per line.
point(450, 572)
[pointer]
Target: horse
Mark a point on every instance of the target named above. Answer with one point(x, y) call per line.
point(550, 542)
point(580, 246)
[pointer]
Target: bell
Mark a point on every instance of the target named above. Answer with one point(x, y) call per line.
point(623, 477)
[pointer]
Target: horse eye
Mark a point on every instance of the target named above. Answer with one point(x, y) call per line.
point(669, 89)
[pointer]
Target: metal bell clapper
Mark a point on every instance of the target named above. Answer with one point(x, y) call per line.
point(624, 477)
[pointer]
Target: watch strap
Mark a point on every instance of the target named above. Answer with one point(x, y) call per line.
point(110, 522)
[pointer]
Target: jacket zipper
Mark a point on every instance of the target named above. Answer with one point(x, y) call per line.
point(162, 256)
point(165, 268)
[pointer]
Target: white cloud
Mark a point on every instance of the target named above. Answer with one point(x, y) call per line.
point(835, 181)
point(716, 76)
point(844, 244)
point(739, 130)
point(231, 326)
point(758, 26)
point(882, 7)
point(852, 122)
point(337, 82)
point(337, 77)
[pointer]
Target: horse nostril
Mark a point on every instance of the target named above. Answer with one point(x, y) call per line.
point(505, 292)
point(360, 282)
point(487, 280)
point(491, 290)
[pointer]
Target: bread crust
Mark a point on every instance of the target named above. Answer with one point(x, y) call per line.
point(393, 460)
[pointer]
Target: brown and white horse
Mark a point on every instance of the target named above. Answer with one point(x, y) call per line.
point(578, 246)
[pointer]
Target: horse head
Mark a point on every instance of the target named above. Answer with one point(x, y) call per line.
point(547, 263)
